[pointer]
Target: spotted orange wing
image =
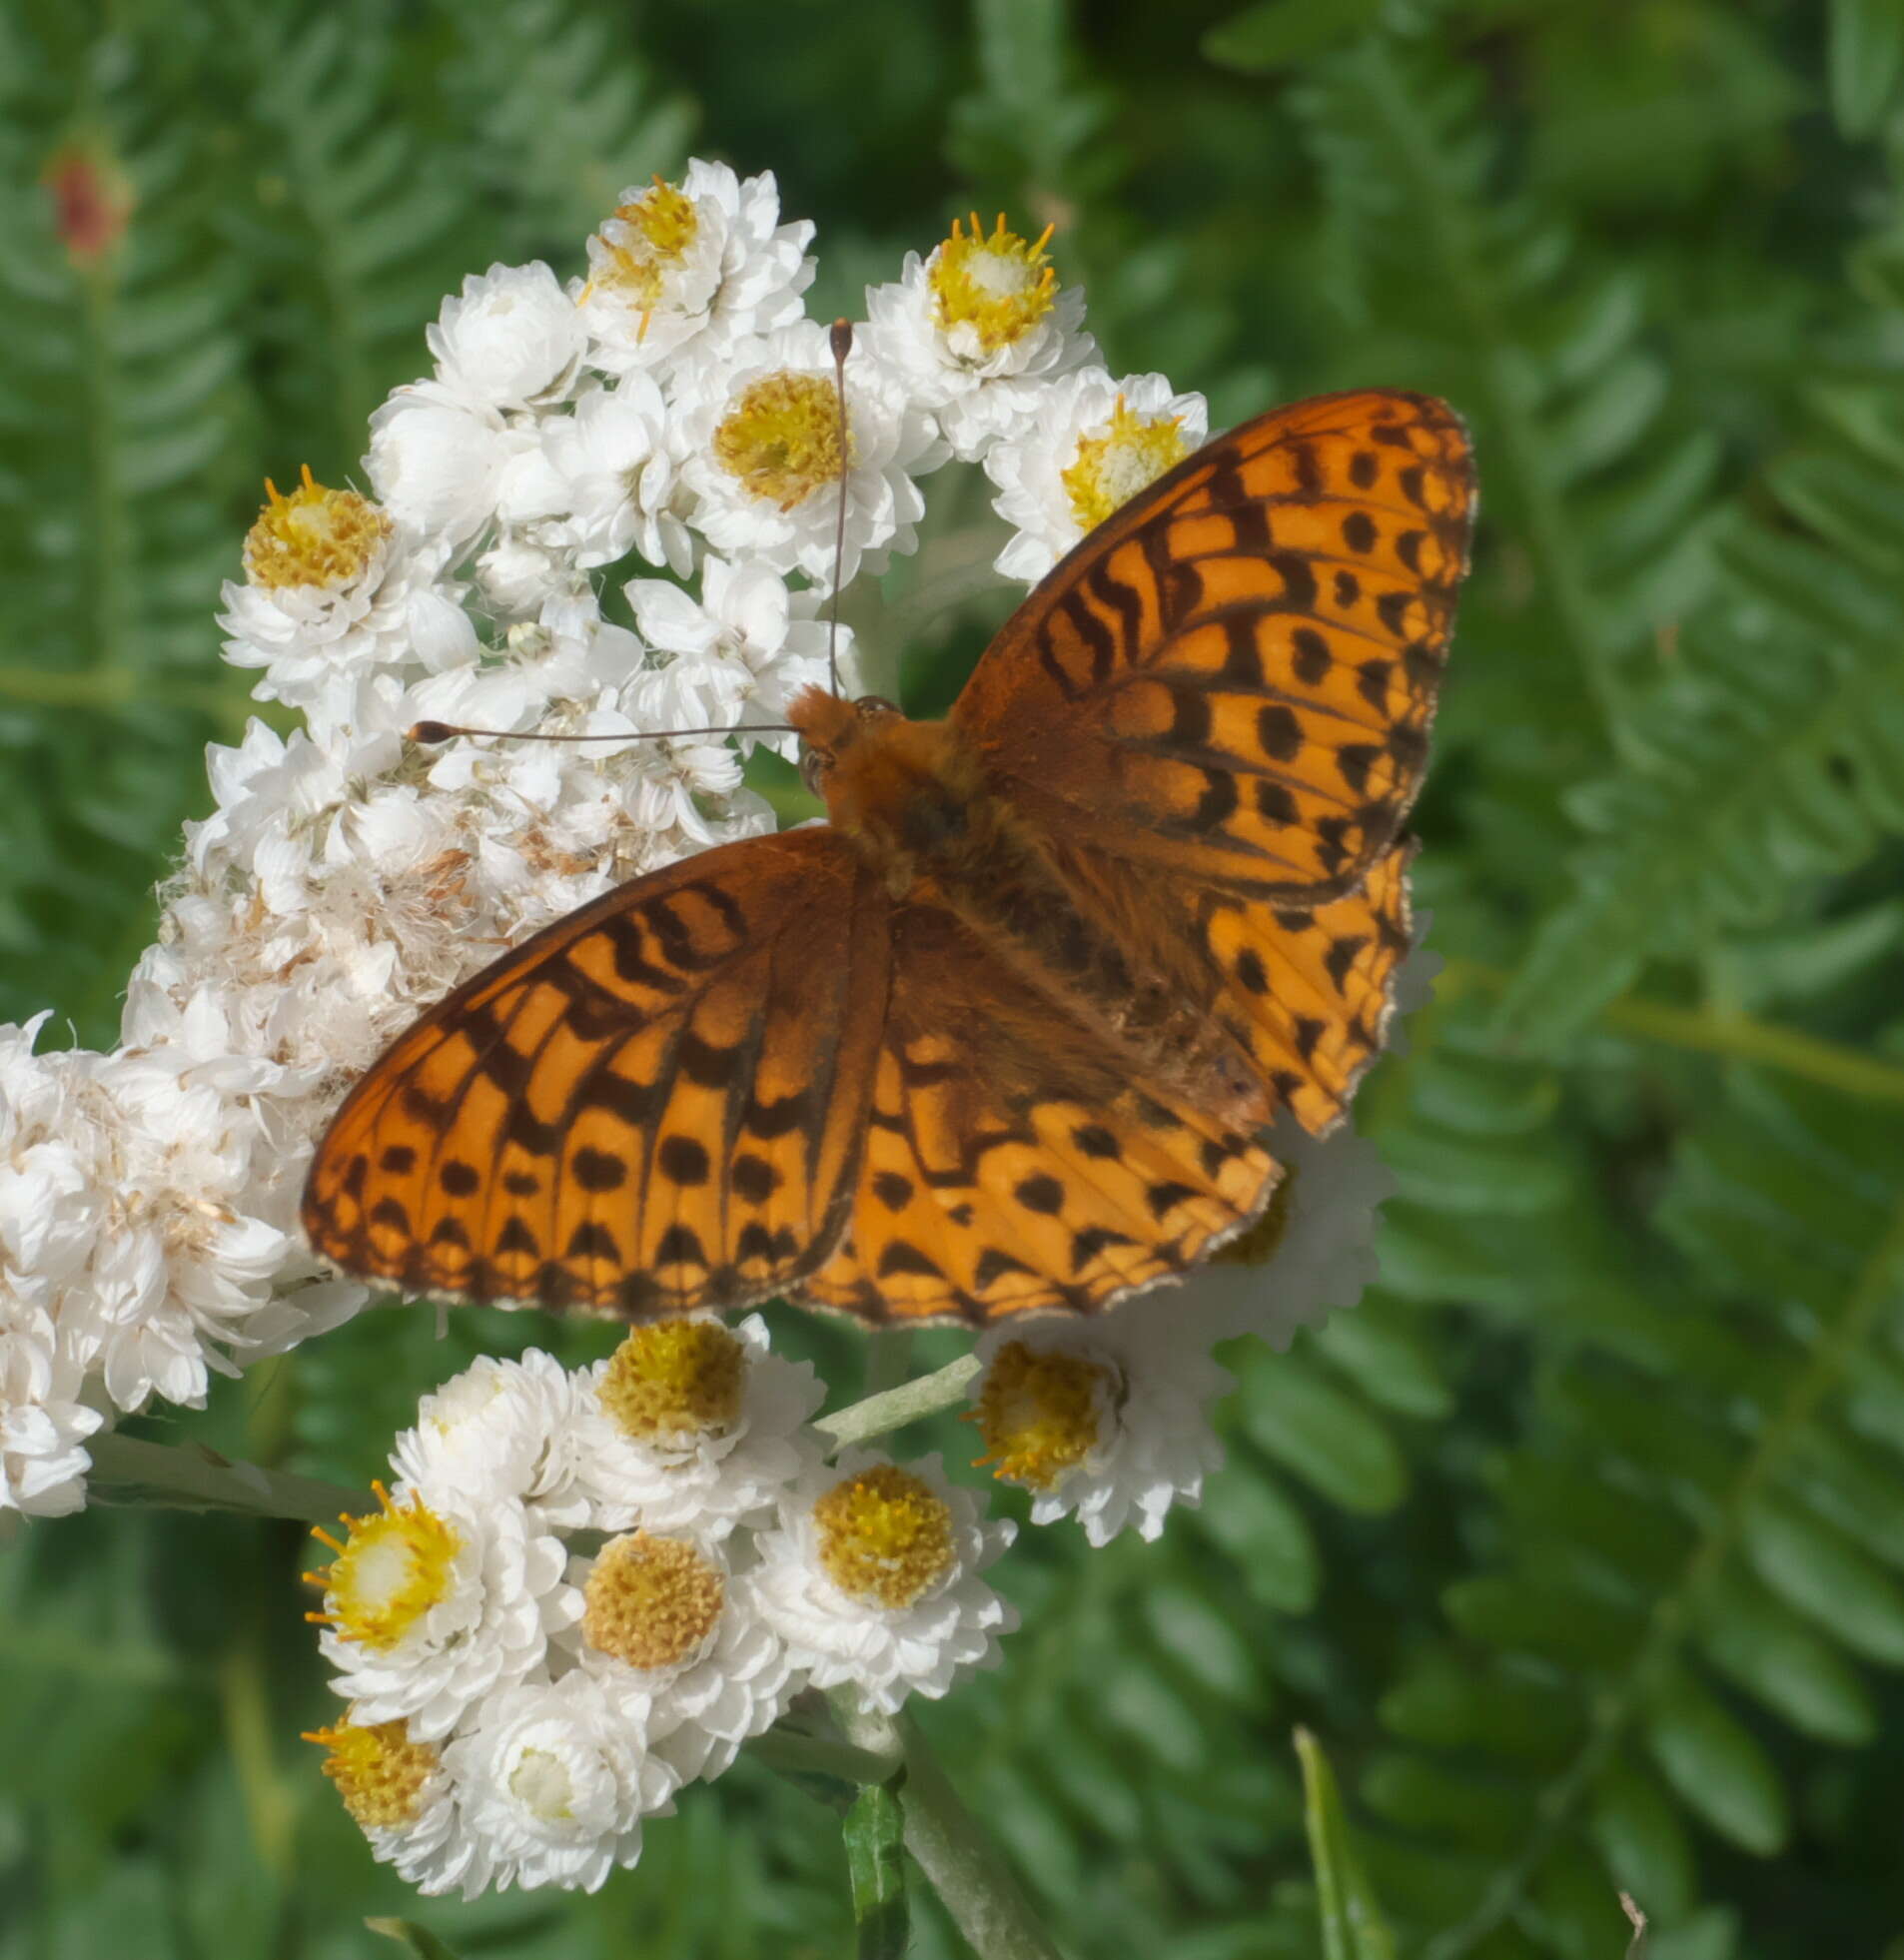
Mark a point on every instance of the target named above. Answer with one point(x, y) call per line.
point(655, 1105)
point(1011, 1164)
point(1234, 676)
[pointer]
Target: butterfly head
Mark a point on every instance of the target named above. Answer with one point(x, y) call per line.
point(903, 787)
point(831, 727)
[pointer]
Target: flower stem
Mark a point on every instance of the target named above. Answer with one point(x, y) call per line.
point(948, 1844)
point(893, 1408)
point(192, 1478)
point(1830, 1064)
point(962, 1864)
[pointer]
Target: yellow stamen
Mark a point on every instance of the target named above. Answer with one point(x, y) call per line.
point(675, 1379)
point(314, 536)
point(1109, 470)
point(781, 439)
point(397, 1564)
point(885, 1536)
point(651, 1601)
point(379, 1771)
point(642, 243)
point(1040, 1413)
point(1000, 286)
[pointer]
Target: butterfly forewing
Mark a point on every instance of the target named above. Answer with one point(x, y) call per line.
point(1011, 1166)
point(655, 1105)
point(1235, 675)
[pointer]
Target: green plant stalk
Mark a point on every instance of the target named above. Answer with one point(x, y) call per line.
point(1739, 1038)
point(189, 1477)
point(948, 1844)
point(893, 1408)
point(1614, 1711)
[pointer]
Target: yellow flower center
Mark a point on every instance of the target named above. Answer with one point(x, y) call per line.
point(1038, 1412)
point(380, 1772)
point(1109, 470)
point(650, 1601)
point(396, 1565)
point(651, 235)
point(1259, 1244)
point(541, 1783)
point(1001, 286)
point(884, 1535)
point(781, 439)
point(676, 1377)
point(314, 536)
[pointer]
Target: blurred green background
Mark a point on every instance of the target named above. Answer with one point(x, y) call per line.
point(1581, 1545)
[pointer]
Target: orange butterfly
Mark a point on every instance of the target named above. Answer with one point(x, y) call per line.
point(1001, 1036)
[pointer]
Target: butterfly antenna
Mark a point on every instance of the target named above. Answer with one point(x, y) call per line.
point(441, 731)
point(842, 339)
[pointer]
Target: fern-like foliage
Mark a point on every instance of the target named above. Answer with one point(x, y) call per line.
point(120, 401)
point(1773, 750)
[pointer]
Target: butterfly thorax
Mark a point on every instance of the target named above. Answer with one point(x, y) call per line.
point(914, 798)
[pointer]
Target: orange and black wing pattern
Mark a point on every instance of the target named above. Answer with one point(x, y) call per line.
point(1235, 675)
point(655, 1105)
point(1012, 1165)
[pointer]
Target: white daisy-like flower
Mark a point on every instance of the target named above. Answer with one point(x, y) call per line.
point(399, 1796)
point(1106, 1420)
point(43, 1424)
point(554, 1779)
point(1313, 1249)
point(332, 583)
point(609, 482)
point(668, 1625)
point(502, 1432)
point(429, 1610)
point(1084, 447)
point(439, 463)
point(873, 1578)
point(692, 1425)
point(976, 328)
point(756, 645)
point(509, 341)
point(683, 271)
point(760, 444)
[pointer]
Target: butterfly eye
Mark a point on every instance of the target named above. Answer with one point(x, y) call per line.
point(871, 706)
point(815, 766)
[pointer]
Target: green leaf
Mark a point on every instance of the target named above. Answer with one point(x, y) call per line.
point(422, 1943)
point(1864, 58)
point(1353, 1926)
point(1637, 1831)
point(876, 1872)
point(1763, 1645)
point(1261, 1530)
point(1716, 1767)
point(1263, 39)
point(1323, 1436)
point(1806, 1562)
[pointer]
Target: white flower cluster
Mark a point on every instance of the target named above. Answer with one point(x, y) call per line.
point(588, 1588)
point(608, 508)
point(673, 415)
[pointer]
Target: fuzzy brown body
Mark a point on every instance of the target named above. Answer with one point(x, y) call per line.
point(1102, 944)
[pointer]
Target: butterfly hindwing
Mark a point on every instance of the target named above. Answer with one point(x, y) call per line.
point(1309, 989)
point(1011, 1164)
point(654, 1105)
point(1235, 675)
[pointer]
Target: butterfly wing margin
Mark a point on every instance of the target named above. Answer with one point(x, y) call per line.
point(1236, 674)
point(1011, 1166)
point(654, 1105)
